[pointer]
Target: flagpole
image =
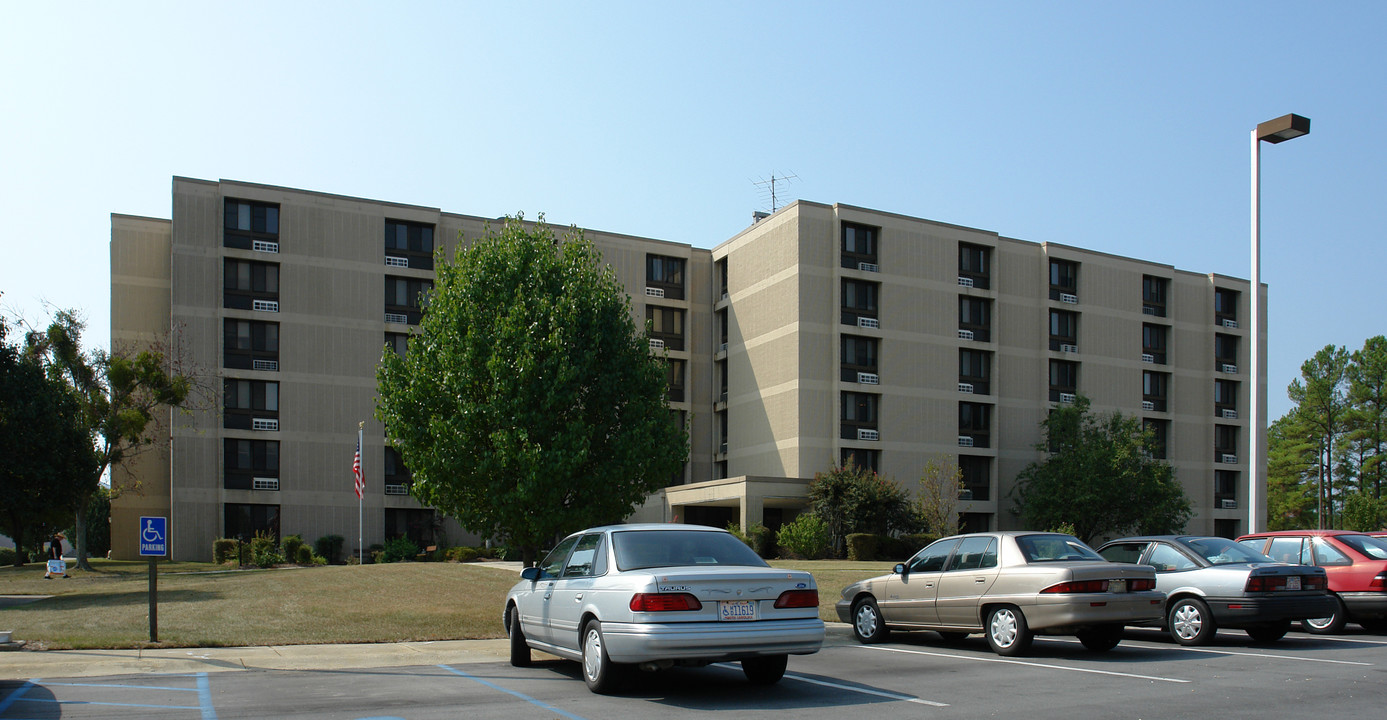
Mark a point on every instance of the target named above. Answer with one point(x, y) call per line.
point(360, 547)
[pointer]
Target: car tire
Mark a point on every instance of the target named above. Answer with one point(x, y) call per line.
point(952, 637)
point(599, 672)
point(1101, 639)
point(1190, 622)
point(1327, 625)
point(867, 624)
point(519, 649)
point(765, 669)
point(1271, 632)
point(1007, 631)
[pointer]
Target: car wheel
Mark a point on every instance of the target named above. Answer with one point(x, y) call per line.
point(598, 670)
point(1190, 623)
point(1007, 631)
point(1326, 625)
point(952, 636)
point(1101, 639)
point(1270, 632)
point(1374, 626)
point(519, 649)
point(867, 623)
point(765, 669)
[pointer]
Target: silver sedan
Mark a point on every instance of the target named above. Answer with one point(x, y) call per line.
point(653, 596)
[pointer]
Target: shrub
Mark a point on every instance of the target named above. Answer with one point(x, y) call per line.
point(6, 556)
point(807, 537)
point(757, 537)
point(862, 546)
point(264, 551)
point(329, 547)
point(224, 550)
point(488, 552)
point(463, 554)
point(290, 545)
point(400, 549)
point(303, 555)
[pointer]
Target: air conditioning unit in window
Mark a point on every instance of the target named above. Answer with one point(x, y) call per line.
point(722, 449)
point(1148, 358)
point(396, 490)
point(1148, 405)
point(271, 365)
point(1229, 459)
point(1228, 504)
point(1230, 414)
point(264, 484)
point(655, 292)
point(866, 322)
point(965, 334)
point(868, 378)
point(1066, 347)
point(393, 261)
point(965, 281)
point(722, 347)
point(1230, 369)
point(398, 318)
point(265, 305)
point(1148, 310)
point(271, 424)
point(1232, 324)
point(1066, 397)
point(868, 267)
point(965, 494)
point(657, 344)
point(965, 388)
point(1070, 298)
point(264, 246)
point(868, 434)
point(965, 441)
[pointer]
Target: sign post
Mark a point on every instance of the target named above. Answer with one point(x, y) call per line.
point(154, 544)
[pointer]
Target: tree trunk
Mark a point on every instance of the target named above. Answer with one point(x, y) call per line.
point(18, 528)
point(527, 556)
point(79, 543)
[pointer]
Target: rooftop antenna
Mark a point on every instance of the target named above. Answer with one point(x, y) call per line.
point(768, 186)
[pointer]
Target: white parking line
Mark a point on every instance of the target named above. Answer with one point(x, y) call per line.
point(1216, 651)
point(1021, 662)
point(1342, 639)
point(852, 688)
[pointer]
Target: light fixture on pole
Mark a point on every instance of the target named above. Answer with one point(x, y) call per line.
point(1275, 131)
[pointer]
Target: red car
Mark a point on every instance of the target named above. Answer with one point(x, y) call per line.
point(1355, 562)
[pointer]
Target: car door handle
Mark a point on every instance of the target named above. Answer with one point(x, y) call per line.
point(980, 580)
point(578, 597)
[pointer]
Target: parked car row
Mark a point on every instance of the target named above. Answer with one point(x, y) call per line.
point(654, 596)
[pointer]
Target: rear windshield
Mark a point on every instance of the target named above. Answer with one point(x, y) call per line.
point(636, 549)
point(1221, 551)
point(1373, 547)
point(1053, 548)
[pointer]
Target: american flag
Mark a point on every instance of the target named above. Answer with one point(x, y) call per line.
point(356, 471)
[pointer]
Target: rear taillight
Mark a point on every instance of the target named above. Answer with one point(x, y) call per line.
point(1317, 582)
point(664, 602)
point(1379, 582)
point(1141, 584)
point(1078, 586)
point(1263, 583)
point(798, 599)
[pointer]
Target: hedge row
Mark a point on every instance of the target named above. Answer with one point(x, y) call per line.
point(867, 546)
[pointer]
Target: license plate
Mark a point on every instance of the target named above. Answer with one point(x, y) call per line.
point(1293, 582)
point(1117, 586)
point(736, 610)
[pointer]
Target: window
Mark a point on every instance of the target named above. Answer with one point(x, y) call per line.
point(1160, 435)
point(975, 553)
point(975, 317)
point(245, 460)
point(674, 379)
point(1226, 307)
point(246, 222)
point(397, 343)
point(1155, 390)
point(1326, 554)
point(977, 477)
point(395, 471)
point(1064, 380)
point(1225, 486)
point(1124, 552)
point(409, 241)
point(722, 380)
point(1153, 294)
point(250, 400)
point(553, 563)
point(244, 520)
point(588, 559)
point(1289, 550)
point(932, 558)
point(1064, 329)
point(1225, 352)
point(859, 356)
point(859, 458)
point(1153, 343)
point(1225, 398)
point(1064, 279)
point(406, 299)
point(666, 324)
point(722, 277)
point(722, 328)
point(859, 413)
point(975, 421)
point(1225, 442)
point(974, 369)
point(250, 345)
point(974, 265)
point(416, 525)
point(859, 245)
point(665, 273)
point(1167, 559)
point(859, 301)
point(971, 522)
point(722, 432)
point(245, 282)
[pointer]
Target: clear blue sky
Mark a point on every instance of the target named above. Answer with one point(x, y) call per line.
point(1117, 126)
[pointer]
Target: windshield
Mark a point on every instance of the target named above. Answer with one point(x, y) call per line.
point(1375, 548)
point(636, 549)
point(1221, 551)
point(1053, 548)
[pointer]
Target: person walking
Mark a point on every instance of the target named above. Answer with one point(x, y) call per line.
point(56, 566)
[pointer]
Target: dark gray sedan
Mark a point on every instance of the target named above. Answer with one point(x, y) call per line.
point(1213, 582)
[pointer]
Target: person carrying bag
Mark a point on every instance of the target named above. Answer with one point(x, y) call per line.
point(56, 564)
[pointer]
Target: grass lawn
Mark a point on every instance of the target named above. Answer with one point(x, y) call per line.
point(203, 605)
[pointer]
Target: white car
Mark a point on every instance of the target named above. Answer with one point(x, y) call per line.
point(654, 596)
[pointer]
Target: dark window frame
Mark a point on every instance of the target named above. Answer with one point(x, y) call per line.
point(418, 242)
point(863, 458)
point(1154, 294)
point(667, 273)
point(260, 342)
point(1154, 342)
point(262, 223)
point(658, 316)
point(236, 417)
point(975, 473)
point(1064, 278)
point(1063, 378)
point(860, 298)
point(245, 459)
point(975, 368)
point(245, 281)
point(852, 256)
point(1160, 437)
point(250, 519)
point(975, 263)
point(1221, 343)
point(1155, 389)
point(1064, 328)
point(859, 411)
point(967, 317)
point(1225, 305)
point(1225, 441)
point(858, 353)
point(975, 421)
point(416, 297)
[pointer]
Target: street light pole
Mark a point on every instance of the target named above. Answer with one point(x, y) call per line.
point(1272, 131)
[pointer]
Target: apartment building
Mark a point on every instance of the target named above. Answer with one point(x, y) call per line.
point(817, 334)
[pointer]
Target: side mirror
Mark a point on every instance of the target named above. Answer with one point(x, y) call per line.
point(899, 569)
point(530, 573)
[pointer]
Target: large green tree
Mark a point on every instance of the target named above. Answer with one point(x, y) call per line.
point(1099, 475)
point(528, 404)
point(1367, 395)
point(851, 499)
point(1321, 398)
point(1292, 465)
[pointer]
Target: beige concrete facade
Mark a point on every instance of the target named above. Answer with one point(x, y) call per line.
point(763, 316)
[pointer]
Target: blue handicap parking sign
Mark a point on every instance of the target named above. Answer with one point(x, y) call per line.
point(154, 536)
